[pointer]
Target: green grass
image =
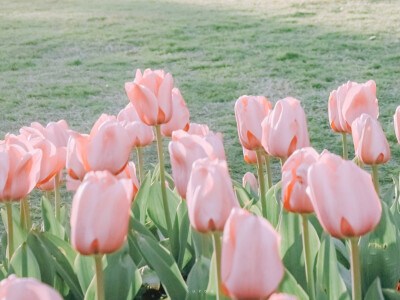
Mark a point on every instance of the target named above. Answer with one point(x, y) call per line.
point(70, 59)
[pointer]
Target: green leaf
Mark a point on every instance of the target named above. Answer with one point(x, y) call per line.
point(242, 194)
point(20, 235)
point(141, 198)
point(160, 260)
point(150, 278)
point(212, 288)
point(24, 263)
point(84, 266)
point(289, 285)
point(375, 291)
point(274, 206)
point(391, 294)
point(181, 232)
point(198, 279)
point(329, 284)
point(50, 223)
point(379, 253)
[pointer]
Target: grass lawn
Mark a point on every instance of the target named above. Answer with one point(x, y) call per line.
point(70, 60)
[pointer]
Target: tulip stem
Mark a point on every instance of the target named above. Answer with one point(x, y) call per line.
point(163, 189)
point(57, 197)
point(25, 218)
point(307, 258)
point(216, 236)
point(345, 150)
point(10, 230)
point(99, 277)
point(375, 178)
point(269, 174)
point(355, 269)
point(139, 151)
point(261, 183)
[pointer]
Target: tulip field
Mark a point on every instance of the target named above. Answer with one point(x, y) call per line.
point(200, 150)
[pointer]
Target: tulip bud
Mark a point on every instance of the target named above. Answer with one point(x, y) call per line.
point(343, 196)
point(151, 94)
point(285, 129)
point(100, 213)
point(370, 144)
point(396, 118)
point(13, 288)
point(180, 115)
point(250, 111)
point(294, 180)
point(251, 180)
point(251, 267)
point(210, 196)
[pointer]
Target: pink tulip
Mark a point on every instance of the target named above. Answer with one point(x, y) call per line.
point(184, 150)
point(250, 156)
point(13, 288)
point(361, 98)
point(396, 118)
point(251, 180)
point(107, 148)
point(50, 185)
point(370, 144)
point(19, 172)
point(294, 180)
point(285, 129)
point(199, 129)
point(100, 213)
point(139, 133)
point(180, 115)
point(251, 267)
point(216, 141)
point(151, 94)
point(100, 121)
point(130, 173)
point(250, 111)
point(282, 297)
point(343, 196)
point(210, 196)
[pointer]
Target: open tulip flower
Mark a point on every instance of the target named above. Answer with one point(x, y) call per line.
point(396, 119)
point(151, 94)
point(180, 115)
point(285, 129)
point(251, 267)
point(13, 288)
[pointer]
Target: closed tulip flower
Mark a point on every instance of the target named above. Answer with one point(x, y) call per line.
point(343, 197)
point(210, 196)
point(370, 143)
point(180, 115)
point(294, 180)
point(139, 133)
point(251, 267)
point(198, 129)
point(100, 213)
point(250, 156)
point(251, 180)
point(13, 288)
point(250, 111)
point(282, 297)
point(184, 150)
point(151, 94)
point(130, 173)
point(396, 118)
point(285, 129)
point(19, 172)
point(216, 141)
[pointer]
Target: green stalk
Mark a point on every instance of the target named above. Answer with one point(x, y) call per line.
point(307, 258)
point(345, 150)
point(57, 197)
point(10, 229)
point(217, 249)
point(261, 183)
point(355, 269)
point(99, 277)
point(163, 189)
point(375, 178)
point(269, 173)
point(25, 218)
point(139, 151)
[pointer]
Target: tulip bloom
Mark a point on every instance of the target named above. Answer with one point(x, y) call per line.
point(210, 196)
point(198, 129)
point(251, 180)
point(180, 115)
point(370, 144)
point(139, 133)
point(250, 111)
point(130, 173)
point(343, 197)
point(251, 267)
point(250, 156)
point(285, 129)
point(13, 288)
point(151, 94)
point(282, 297)
point(100, 213)
point(294, 180)
point(184, 150)
point(396, 118)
